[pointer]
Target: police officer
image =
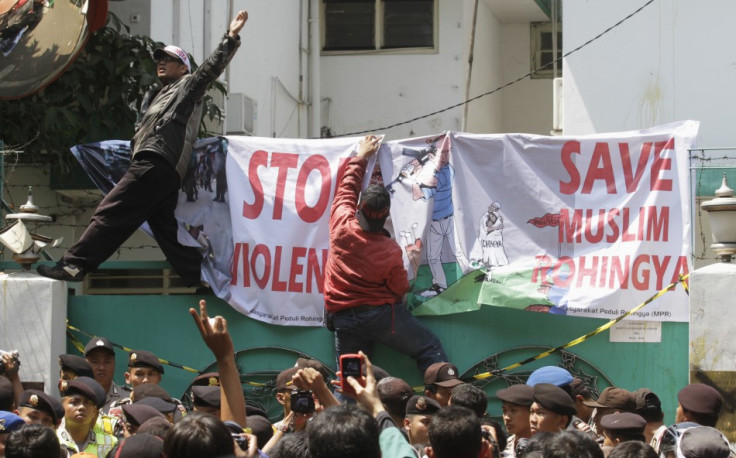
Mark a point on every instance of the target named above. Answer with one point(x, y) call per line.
point(38, 408)
point(552, 409)
point(515, 403)
point(73, 366)
point(621, 427)
point(563, 379)
point(100, 354)
point(79, 432)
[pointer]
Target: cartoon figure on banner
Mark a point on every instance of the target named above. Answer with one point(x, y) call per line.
point(431, 177)
point(413, 248)
point(490, 236)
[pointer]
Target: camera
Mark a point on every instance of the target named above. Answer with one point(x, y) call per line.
point(302, 401)
point(14, 354)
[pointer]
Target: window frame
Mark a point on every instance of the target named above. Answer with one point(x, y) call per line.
point(536, 29)
point(378, 34)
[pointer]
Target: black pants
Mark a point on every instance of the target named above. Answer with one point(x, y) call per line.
point(149, 191)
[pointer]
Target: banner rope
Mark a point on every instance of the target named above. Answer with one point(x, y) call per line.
point(495, 373)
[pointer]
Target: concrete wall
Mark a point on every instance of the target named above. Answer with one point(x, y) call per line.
point(673, 61)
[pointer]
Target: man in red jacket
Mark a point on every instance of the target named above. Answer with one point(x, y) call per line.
point(365, 278)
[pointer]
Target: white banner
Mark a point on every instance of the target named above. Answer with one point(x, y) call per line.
point(280, 192)
point(585, 226)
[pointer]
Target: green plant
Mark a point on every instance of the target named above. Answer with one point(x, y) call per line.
point(95, 99)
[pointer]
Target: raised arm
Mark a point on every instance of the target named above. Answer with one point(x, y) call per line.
point(215, 334)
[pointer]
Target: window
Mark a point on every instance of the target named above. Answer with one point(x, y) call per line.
point(370, 25)
point(135, 281)
point(542, 50)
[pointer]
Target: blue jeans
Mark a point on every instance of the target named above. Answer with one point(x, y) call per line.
point(393, 326)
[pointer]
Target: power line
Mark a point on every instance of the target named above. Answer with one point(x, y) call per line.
point(637, 11)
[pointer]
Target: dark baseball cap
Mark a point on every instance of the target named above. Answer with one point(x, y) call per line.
point(442, 374)
point(142, 358)
point(284, 378)
point(422, 405)
point(647, 401)
point(99, 343)
point(614, 398)
point(373, 208)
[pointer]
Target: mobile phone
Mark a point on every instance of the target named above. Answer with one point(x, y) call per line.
point(351, 365)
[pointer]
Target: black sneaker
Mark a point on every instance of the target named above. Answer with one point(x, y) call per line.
point(62, 271)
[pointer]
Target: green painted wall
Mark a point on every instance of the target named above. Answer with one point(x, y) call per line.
point(162, 324)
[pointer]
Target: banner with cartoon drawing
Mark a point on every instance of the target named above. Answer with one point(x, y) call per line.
point(584, 226)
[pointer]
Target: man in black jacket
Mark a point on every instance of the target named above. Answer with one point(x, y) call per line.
point(161, 150)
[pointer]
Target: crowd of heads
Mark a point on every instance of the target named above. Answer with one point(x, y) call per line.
point(552, 415)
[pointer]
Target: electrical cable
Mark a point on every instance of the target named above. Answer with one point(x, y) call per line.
point(649, 2)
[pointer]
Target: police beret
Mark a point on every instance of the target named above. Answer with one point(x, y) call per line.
point(87, 387)
point(7, 395)
point(99, 342)
point(284, 378)
point(704, 442)
point(624, 422)
point(442, 374)
point(10, 422)
point(149, 390)
point(614, 398)
point(140, 446)
point(38, 400)
point(142, 358)
point(700, 398)
point(137, 413)
point(206, 396)
point(158, 404)
point(422, 405)
point(207, 379)
point(76, 364)
point(520, 394)
point(554, 398)
point(155, 426)
point(553, 375)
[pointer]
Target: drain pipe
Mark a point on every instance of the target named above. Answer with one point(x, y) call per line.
point(470, 65)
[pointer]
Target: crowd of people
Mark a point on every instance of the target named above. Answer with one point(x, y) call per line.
point(366, 413)
point(553, 414)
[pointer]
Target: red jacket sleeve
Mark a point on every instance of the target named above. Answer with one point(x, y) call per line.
point(345, 202)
